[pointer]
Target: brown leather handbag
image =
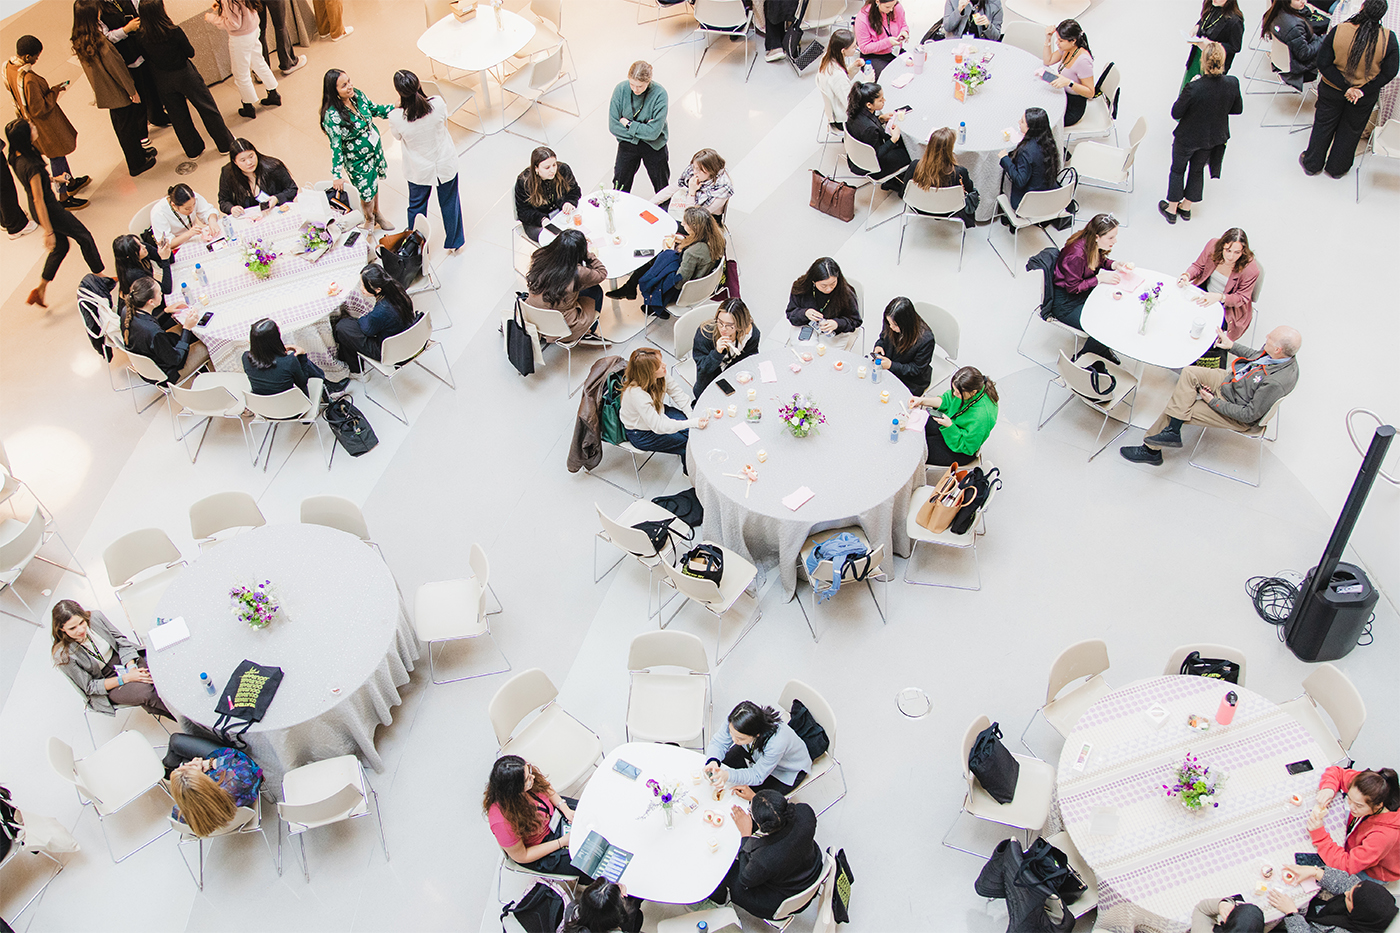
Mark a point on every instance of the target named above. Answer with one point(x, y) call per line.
point(939, 511)
point(833, 197)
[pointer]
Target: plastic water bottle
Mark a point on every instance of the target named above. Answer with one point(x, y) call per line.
point(894, 431)
point(701, 927)
point(228, 230)
point(206, 683)
point(962, 133)
point(201, 275)
point(187, 293)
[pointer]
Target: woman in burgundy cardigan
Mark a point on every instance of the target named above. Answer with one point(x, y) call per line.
point(1227, 271)
point(1084, 262)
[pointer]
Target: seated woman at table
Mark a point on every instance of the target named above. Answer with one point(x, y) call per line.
point(879, 131)
point(1372, 847)
point(273, 366)
point(840, 67)
point(959, 422)
point(699, 248)
point(703, 183)
point(1226, 270)
point(1300, 27)
point(603, 907)
point(650, 423)
point(939, 168)
point(545, 188)
point(905, 346)
point(208, 791)
point(565, 277)
point(182, 216)
point(178, 353)
point(251, 179)
point(723, 340)
point(881, 31)
point(778, 857)
point(979, 19)
point(108, 669)
point(1067, 48)
point(1226, 915)
point(392, 314)
point(757, 751)
point(134, 261)
point(1034, 163)
point(822, 298)
point(1084, 262)
point(1356, 904)
point(519, 804)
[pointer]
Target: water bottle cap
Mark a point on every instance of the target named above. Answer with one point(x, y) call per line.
point(203, 675)
point(960, 124)
point(196, 265)
point(702, 926)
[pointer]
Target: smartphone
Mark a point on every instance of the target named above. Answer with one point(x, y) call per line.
point(905, 109)
point(643, 253)
point(805, 333)
point(204, 321)
point(553, 229)
point(724, 386)
point(1308, 858)
point(350, 240)
point(1298, 767)
point(629, 771)
point(1048, 76)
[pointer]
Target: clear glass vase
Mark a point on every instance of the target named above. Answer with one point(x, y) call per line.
point(1146, 313)
point(612, 223)
point(666, 816)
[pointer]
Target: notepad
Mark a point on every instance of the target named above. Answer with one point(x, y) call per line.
point(795, 499)
point(745, 434)
point(903, 79)
point(766, 373)
point(171, 633)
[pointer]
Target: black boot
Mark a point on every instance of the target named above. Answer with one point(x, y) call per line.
point(247, 111)
point(273, 99)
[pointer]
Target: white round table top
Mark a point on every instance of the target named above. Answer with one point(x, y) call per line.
point(641, 225)
point(996, 106)
point(339, 612)
point(1148, 848)
point(672, 866)
point(1112, 315)
point(849, 462)
point(477, 44)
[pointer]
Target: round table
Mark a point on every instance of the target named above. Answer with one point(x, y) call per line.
point(343, 641)
point(1154, 859)
point(478, 45)
point(857, 475)
point(995, 107)
point(672, 866)
point(1167, 341)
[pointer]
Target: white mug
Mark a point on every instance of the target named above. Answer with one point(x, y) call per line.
point(1198, 327)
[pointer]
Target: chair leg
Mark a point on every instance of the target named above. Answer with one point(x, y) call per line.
point(403, 417)
point(39, 893)
point(797, 597)
point(976, 564)
point(432, 668)
point(949, 845)
point(757, 616)
point(993, 245)
point(305, 869)
point(117, 861)
point(379, 820)
point(598, 577)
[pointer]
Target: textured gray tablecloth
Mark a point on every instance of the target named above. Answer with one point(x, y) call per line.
point(857, 475)
point(343, 626)
point(996, 106)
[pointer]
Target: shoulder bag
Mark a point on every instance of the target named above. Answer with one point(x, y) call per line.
point(1218, 668)
point(833, 197)
point(808, 730)
point(685, 505)
point(350, 427)
point(519, 350)
point(841, 896)
point(402, 256)
point(982, 484)
point(948, 498)
point(661, 532)
point(993, 766)
point(1044, 864)
point(246, 697)
point(541, 910)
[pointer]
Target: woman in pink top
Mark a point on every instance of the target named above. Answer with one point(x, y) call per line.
point(1067, 45)
point(881, 32)
point(520, 804)
point(1226, 270)
point(239, 18)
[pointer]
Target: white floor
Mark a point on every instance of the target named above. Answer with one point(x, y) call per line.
point(1144, 558)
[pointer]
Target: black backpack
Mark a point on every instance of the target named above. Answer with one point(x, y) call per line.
point(541, 910)
point(350, 427)
point(982, 484)
point(1218, 668)
point(704, 561)
point(993, 766)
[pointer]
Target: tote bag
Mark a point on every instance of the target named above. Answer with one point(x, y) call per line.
point(833, 197)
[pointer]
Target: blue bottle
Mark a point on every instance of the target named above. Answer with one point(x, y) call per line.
point(187, 293)
point(962, 132)
point(206, 683)
point(894, 431)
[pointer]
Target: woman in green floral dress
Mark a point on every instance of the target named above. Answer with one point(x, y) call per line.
point(347, 117)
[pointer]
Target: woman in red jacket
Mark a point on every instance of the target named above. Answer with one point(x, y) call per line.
point(1372, 845)
point(1226, 270)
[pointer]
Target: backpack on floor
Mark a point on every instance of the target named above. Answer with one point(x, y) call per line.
point(541, 910)
point(350, 427)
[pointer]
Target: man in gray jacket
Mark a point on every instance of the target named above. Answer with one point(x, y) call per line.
point(1237, 398)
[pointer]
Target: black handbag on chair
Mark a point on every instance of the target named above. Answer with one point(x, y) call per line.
point(402, 256)
point(1044, 864)
point(994, 767)
point(1218, 668)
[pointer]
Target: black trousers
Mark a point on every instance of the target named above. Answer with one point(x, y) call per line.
point(181, 89)
point(1067, 308)
point(1187, 176)
point(66, 226)
point(279, 11)
point(632, 155)
point(12, 215)
point(735, 758)
point(939, 453)
point(143, 695)
point(1337, 128)
point(129, 123)
point(350, 341)
point(778, 16)
point(144, 77)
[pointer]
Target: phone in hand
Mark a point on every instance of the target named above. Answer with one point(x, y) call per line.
point(1048, 76)
point(643, 253)
point(1298, 767)
point(204, 321)
point(724, 386)
point(629, 771)
point(805, 333)
point(1311, 859)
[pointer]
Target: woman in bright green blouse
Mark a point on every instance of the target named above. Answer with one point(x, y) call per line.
point(347, 117)
point(961, 419)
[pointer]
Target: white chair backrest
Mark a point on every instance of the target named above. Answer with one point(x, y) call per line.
point(822, 13)
point(632, 540)
point(700, 590)
point(947, 332)
point(335, 512)
point(284, 406)
point(826, 570)
point(1080, 382)
point(61, 759)
point(337, 806)
point(97, 306)
point(1138, 132)
point(242, 816)
point(552, 10)
point(861, 155)
point(1279, 55)
point(213, 514)
point(137, 551)
point(667, 649)
point(481, 567)
point(518, 697)
point(720, 14)
point(145, 367)
point(1386, 140)
point(214, 398)
point(698, 290)
point(1025, 35)
point(141, 219)
point(801, 899)
point(1336, 694)
point(1223, 652)
point(833, 111)
point(545, 71)
point(548, 322)
point(687, 324)
point(934, 200)
point(407, 343)
point(816, 705)
point(1044, 205)
point(1082, 659)
point(423, 225)
point(17, 549)
point(435, 10)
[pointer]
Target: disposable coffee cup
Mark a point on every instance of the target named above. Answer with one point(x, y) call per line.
point(1198, 327)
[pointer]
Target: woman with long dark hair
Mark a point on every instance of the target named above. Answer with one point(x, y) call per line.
point(170, 57)
point(1300, 27)
point(182, 216)
point(779, 856)
point(1356, 61)
point(134, 261)
point(544, 189)
point(565, 276)
point(1220, 21)
point(429, 157)
point(1226, 270)
point(603, 907)
point(821, 297)
point(1084, 263)
point(879, 131)
point(1227, 915)
point(241, 20)
point(840, 67)
point(347, 119)
point(1358, 904)
point(756, 751)
point(251, 179)
point(939, 168)
point(1202, 112)
point(271, 365)
point(519, 803)
point(723, 340)
point(905, 346)
point(177, 352)
point(1372, 845)
point(1067, 48)
point(1034, 163)
point(59, 225)
point(960, 421)
point(392, 314)
point(881, 32)
point(106, 666)
point(112, 85)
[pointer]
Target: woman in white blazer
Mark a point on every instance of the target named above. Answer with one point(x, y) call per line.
point(429, 157)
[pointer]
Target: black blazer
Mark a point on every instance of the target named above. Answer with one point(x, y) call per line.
point(1227, 30)
point(277, 181)
point(798, 306)
point(146, 337)
point(913, 367)
point(285, 372)
point(1028, 170)
point(1203, 110)
point(772, 868)
point(532, 216)
point(865, 127)
point(709, 362)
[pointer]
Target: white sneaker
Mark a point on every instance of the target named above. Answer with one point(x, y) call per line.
point(774, 55)
point(348, 30)
point(29, 228)
point(301, 63)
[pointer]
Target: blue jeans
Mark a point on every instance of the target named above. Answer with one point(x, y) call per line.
point(448, 202)
point(663, 443)
point(59, 166)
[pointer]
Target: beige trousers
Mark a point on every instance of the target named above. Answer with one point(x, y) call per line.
point(328, 17)
point(1188, 406)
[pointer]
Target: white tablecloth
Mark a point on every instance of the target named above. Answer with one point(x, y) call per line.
point(672, 866)
point(343, 641)
point(858, 476)
point(996, 106)
point(1114, 321)
point(1163, 858)
point(633, 230)
point(295, 295)
point(476, 45)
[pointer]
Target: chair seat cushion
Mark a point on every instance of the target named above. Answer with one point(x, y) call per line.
point(738, 574)
point(1031, 805)
point(319, 780)
point(447, 610)
point(559, 745)
point(920, 533)
point(666, 707)
point(1064, 711)
point(119, 771)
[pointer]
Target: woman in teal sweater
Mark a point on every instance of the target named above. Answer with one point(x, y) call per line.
point(960, 421)
point(637, 117)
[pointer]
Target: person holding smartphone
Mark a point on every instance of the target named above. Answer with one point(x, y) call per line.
point(1067, 47)
point(905, 347)
point(879, 131)
point(37, 102)
point(822, 299)
point(723, 340)
point(1357, 903)
point(520, 804)
point(980, 19)
point(881, 32)
point(960, 421)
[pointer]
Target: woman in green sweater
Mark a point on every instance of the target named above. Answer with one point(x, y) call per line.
point(960, 421)
point(637, 117)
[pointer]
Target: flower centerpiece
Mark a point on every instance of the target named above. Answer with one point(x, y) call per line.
point(314, 238)
point(1149, 301)
point(971, 74)
point(801, 415)
point(1196, 785)
point(665, 794)
point(255, 605)
point(606, 198)
point(258, 258)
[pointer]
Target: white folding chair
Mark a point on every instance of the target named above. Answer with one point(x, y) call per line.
point(860, 570)
point(825, 717)
point(1224, 652)
point(1258, 432)
point(110, 778)
point(795, 904)
point(354, 217)
point(683, 340)
point(1087, 901)
point(246, 821)
point(398, 351)
point(1103, 166)
point(665, 706)
point(1025, 35)
point(694, 294)
point(1078, 380)
point(454, 610)
point(723, 18)
point(677, 6)
point(1086, 661)
point(968, 539)
point(533, 82)
point(1327, 687)
point(717, 598)
point(563, 748)
point(142, 370)
point(141, 220)
point(947, 333)
point(95, 309)
point(1026, 811)
point(554, 328)
point(291, 406)
point(1037, 209)
point(222, 511)
point(1047, 296)
point(622, 533)
point(20, 542)
point(127, 560)
point(1385, 143)
point(210, 396)
point(1100, 112)
point(322, 793)
point(337, 512)
point(937, 204)
point(16, 849)
point(456, 97)
point(1279, 57)
point(867, 162)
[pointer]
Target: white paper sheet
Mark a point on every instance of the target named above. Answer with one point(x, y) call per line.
point(766, 373)
point(795, 499)
point(745, 434)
